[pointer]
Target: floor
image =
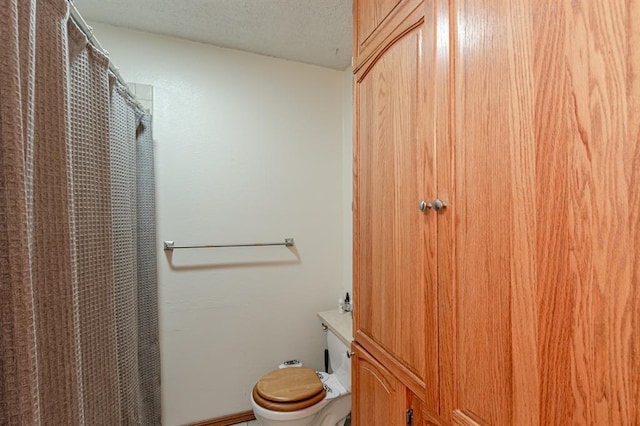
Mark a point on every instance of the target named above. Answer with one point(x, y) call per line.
point(255, 423)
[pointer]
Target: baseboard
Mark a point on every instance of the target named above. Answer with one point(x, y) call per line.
point(229, 420)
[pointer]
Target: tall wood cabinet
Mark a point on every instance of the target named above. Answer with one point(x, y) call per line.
point(396, 247)
point(517, 302)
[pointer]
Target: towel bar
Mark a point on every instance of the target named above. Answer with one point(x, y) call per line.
point(170, 245)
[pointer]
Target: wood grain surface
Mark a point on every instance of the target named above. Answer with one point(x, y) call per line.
point(395, 242)
point(228, 420)
point(525, 119)
point(484, 211)
point(385, 32)
point(369, 15)
point(289, 385)
point(547, 212)
point(603, 157)
point(445, 169)
point(381, 399)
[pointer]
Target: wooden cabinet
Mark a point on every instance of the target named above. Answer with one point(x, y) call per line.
point(546, 203)
point(382, 399)
point(369, 15)
point(518, 303)
point(375, 22)
point(395, 251)
point(395, 244)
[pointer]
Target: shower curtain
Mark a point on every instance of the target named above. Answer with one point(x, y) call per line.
point(78, 284)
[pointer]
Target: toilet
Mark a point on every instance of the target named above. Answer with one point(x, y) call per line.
point(304, 397)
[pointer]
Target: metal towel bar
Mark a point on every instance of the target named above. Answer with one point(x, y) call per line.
point(170, 245)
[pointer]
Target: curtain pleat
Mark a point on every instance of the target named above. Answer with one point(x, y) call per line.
point(124, 120)
point(148, 333)
point(38, 334)
point(18, 361)
point(78, 289)
point(90, 99)
point(52, 263)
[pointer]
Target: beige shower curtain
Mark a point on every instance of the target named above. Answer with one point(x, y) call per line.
point(78, 286)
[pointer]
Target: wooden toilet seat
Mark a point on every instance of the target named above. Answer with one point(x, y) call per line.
point(289, 389)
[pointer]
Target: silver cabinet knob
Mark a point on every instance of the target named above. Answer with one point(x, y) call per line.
point(438, 205)
point(423, 205)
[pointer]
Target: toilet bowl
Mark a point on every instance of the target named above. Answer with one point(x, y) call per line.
point(302, 397)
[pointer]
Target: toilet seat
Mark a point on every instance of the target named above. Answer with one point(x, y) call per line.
point(287, 406)
point(289, 389)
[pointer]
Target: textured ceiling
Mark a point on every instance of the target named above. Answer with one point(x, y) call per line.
point(311, 31)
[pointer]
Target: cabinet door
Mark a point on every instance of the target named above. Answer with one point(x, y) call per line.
point(418, 410)
point(376, 21)
point(495, 242)
point(547, 212)
point(378, 397)
point(394, 242)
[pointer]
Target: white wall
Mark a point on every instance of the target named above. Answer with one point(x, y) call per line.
point(347, 178)
point(248, 149)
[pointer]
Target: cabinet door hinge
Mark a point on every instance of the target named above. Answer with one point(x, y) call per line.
point(409, 414)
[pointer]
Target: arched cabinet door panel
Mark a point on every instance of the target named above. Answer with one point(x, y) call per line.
point(378, 397)
point(394, 241)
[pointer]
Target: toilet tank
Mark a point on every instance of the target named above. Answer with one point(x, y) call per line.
point(338, 360)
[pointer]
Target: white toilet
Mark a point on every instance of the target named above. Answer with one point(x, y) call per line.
point(302, 397)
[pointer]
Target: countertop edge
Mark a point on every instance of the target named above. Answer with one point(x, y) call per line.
point(340, 324)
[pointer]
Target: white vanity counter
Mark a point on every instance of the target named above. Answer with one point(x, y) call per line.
point(340, 324)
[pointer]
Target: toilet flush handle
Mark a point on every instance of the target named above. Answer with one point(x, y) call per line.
point(350, 354)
